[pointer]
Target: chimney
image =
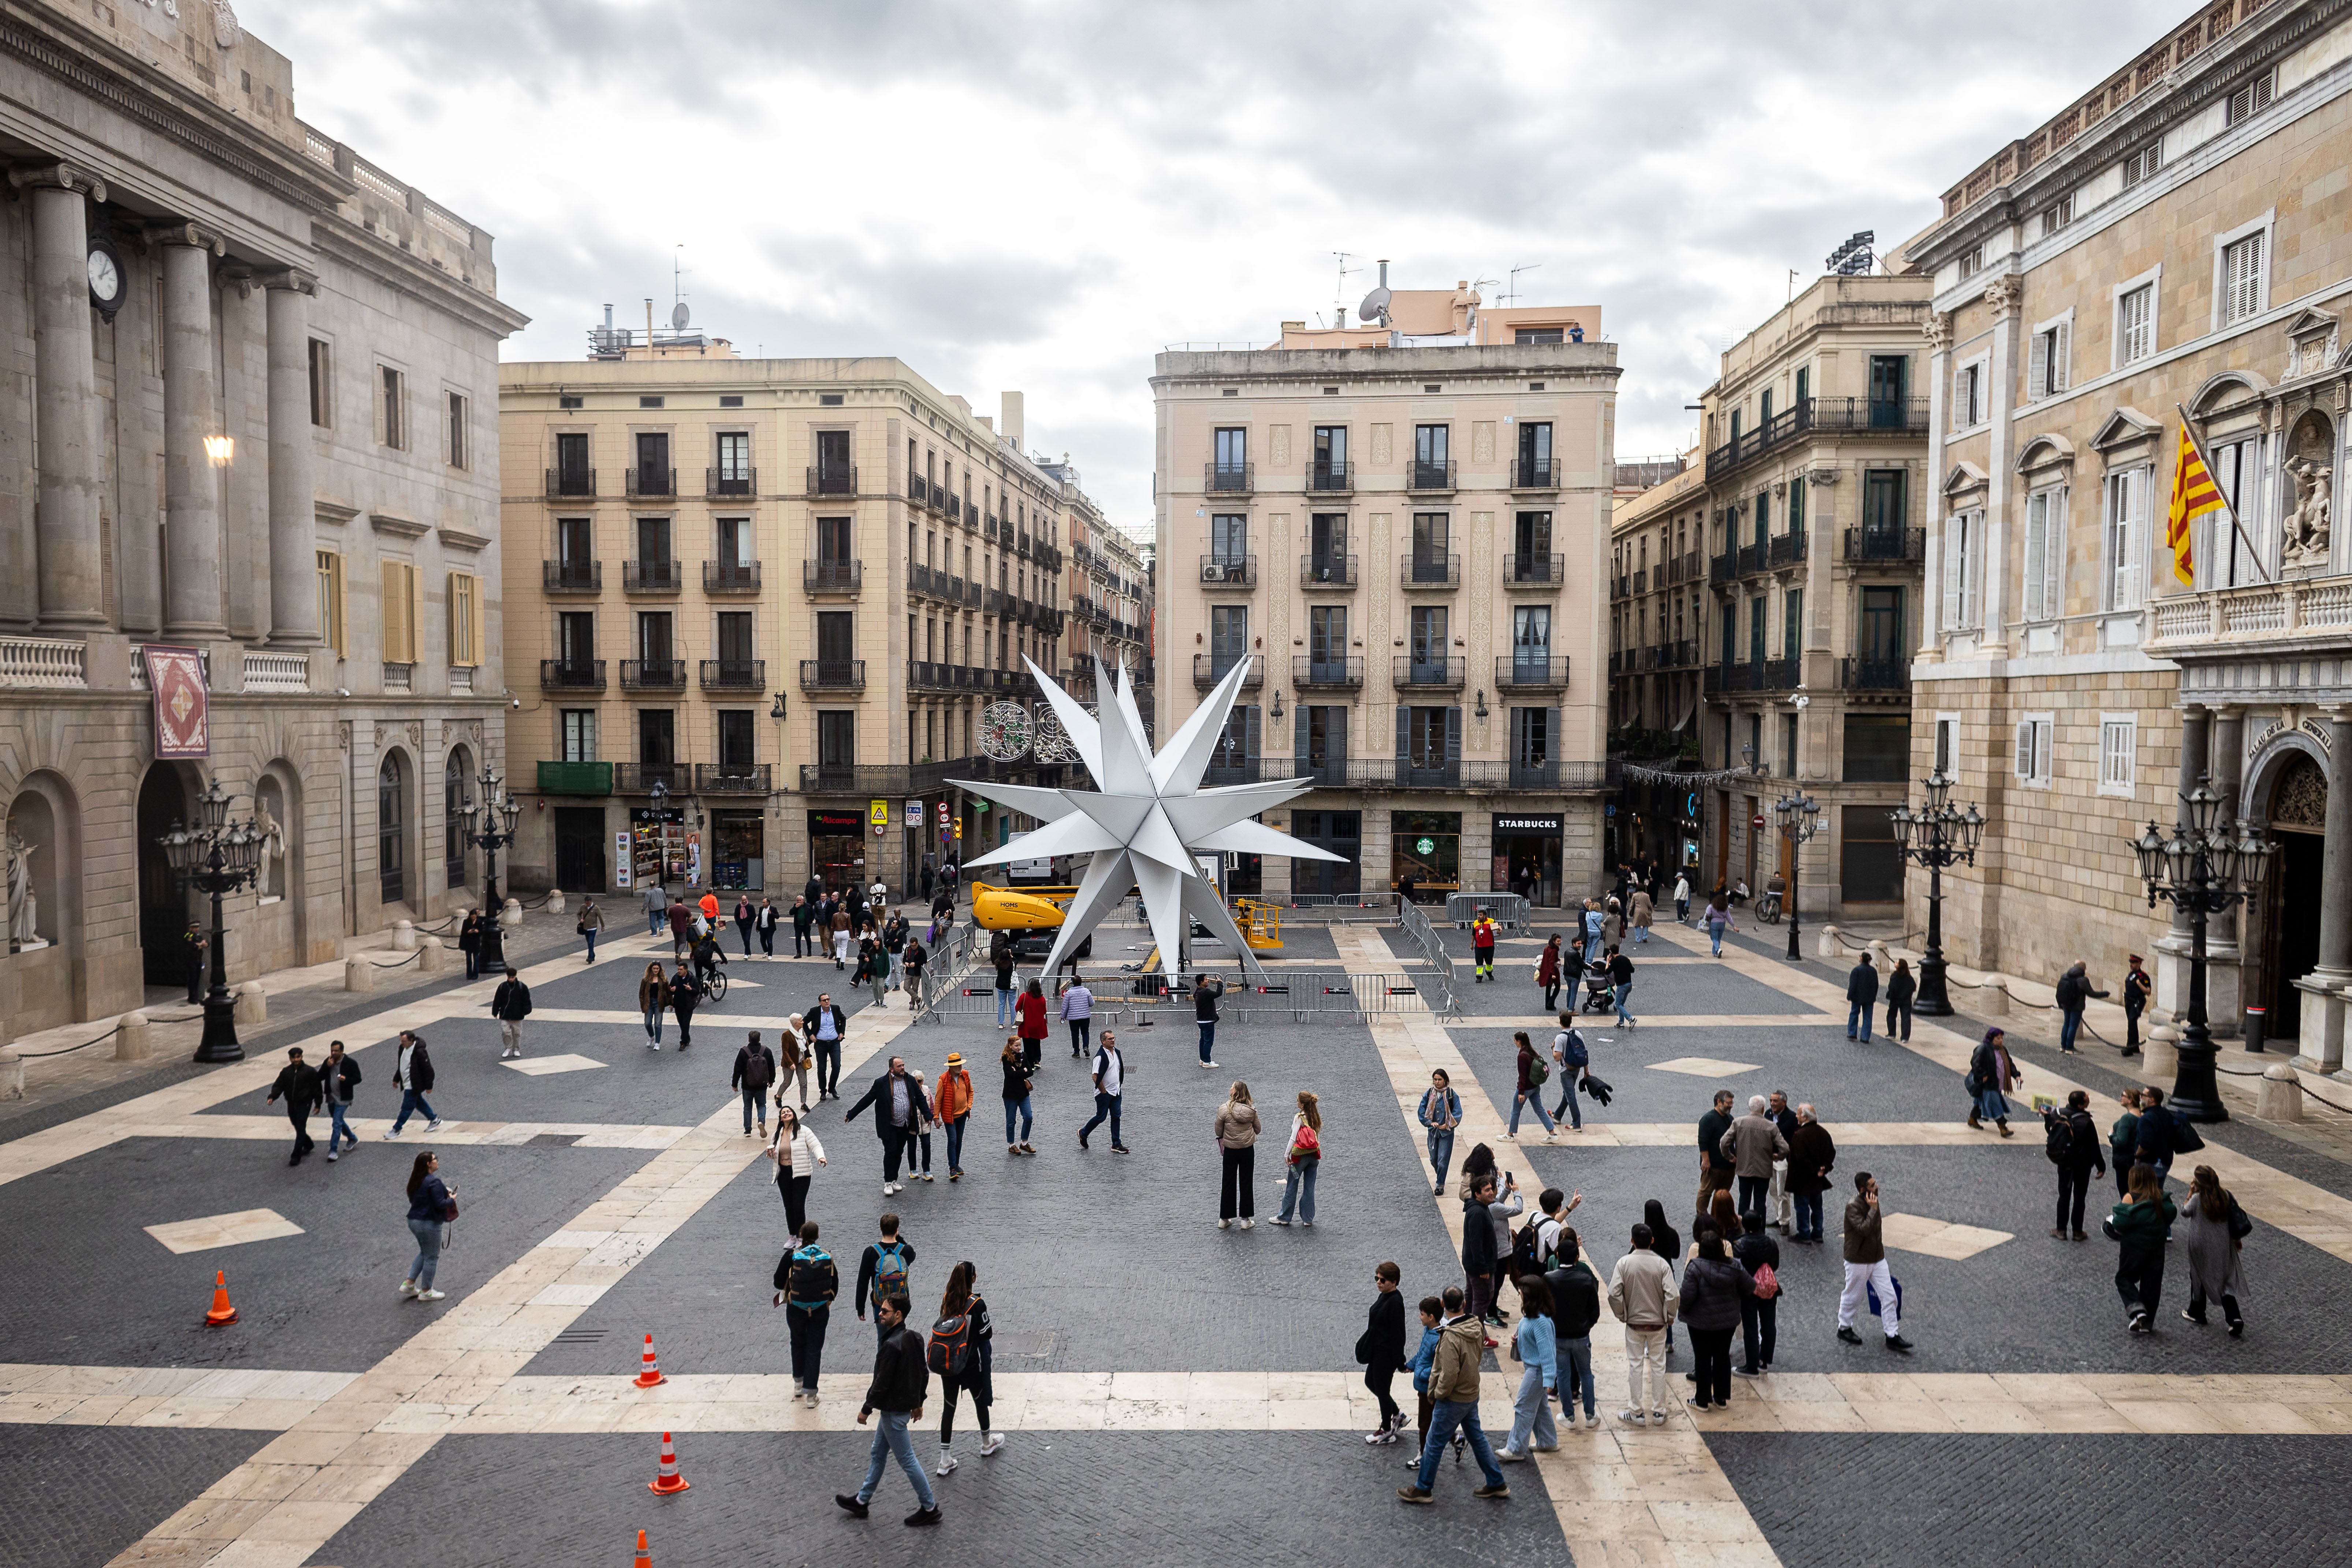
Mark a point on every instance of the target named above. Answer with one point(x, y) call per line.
point(1384, 273)
point(1009, 414)
point(608, 318)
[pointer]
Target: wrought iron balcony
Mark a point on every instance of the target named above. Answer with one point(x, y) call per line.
point(1723, 569)
point(730, 778)
point(1530, 474)
point(1908, 545)
point(1332, 572)
point(573, 576)
point(1429, 477)
point(834, 674)
point(718, 482)
point(734, 674)
point(639, 778)
point(572, 484)
point(1429, 572)
point(1535, 571)
point(831, 480)
point(1208, 668)
point(652, 576)
point(1230, 570)
point(1516, 672)
point(1331, 479)
point(1309, 673)
point(929, 675)
point(1229, 479)
point(730, 576)
point(1787, 549)
point(1874, 674)
point(571, 674)
point(651, 481)
point(833, 576)
point(653, 674)
point(1897, 416)
point(1431, 674)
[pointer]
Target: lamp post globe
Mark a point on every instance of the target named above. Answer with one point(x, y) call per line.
point(215, 856)
point(2202, 870)
point(1935, 835)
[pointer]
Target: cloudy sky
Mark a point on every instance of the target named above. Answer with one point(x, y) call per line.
point(1042, 196)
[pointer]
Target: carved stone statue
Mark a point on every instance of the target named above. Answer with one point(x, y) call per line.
point(273, 846)
point(2306, 528)
point(23, 912)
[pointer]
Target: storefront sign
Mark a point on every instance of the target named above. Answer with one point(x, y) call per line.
point(1528, 825)
point(176, 677)
point(832, 823)
point(878, 813)
point(1424, 846)
point(650, 813)
point(622, 869)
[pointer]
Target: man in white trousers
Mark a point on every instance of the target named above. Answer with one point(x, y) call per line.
point(1866, 1268)
point(1642, 1295)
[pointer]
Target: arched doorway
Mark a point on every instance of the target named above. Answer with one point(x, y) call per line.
point(162, 902)
point(2297, 820)
point(391, 832)
point(453, 820)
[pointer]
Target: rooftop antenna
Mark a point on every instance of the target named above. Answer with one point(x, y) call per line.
point(1513, 293)
point(1792, 286)
point(1339, 292)
point(679, 314)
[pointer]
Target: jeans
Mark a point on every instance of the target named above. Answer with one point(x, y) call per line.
point(1569, 1109)
point(955, 1142)
point(1005, 1001)
point(1445, 1417)
point(1298, 1190)
point(891, 1442)
point(1760, 1321)
point(755, 1103)
point(1641, 933)
point(592, 945)
point(767, 942)
point(1572, 1375)
point(1645, 1347)
point(1714, 935)
point(2067, 1030)
point(1898, 1021)
point(1751, 1193)
point(1531, 1100)
point(337, 1129)
point(654, 923)
point(1621, 993)
point(1441, 1152)
point(473, 963)
point(413, 1099)
point(806, 1326)
point(1237, 1197)
point(1711, 1349)
point(2139, 1278)
point(1081, 1031)
point(1106, 1105)
point(428, 1233)
point(1531, 1414)
point(1857, 1017)
point(2074, 1188)
point(654, 1016)
point(1017, 1109)
point(1860, 1279)
point(795, 1191)
point(1208, 1039)
point(828, 1066)
point(1809, 1215)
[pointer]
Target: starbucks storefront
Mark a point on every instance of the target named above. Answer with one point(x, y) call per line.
point(1527, 845)
point(1427, 847)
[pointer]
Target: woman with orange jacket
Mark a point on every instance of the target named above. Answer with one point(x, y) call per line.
point(951, 1102)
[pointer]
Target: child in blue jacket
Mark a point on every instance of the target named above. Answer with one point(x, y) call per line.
point(1432, 1312)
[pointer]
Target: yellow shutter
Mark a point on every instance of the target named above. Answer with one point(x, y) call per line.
point(401, 612)
point(465, 619)
point(415, 616)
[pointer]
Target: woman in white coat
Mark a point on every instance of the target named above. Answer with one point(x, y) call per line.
point(797, 1154)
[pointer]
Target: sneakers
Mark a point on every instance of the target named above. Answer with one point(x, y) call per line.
point(1634, 1417)
point(889, 1187)
point(1745, 1372)
point(1082, 1138)
point(392, 1132)
point(1846, 1336)
point(1509, 1456)
point(994, 1444)
point(946, 1463)
point(1280, 1221)
point(1414, 1494)
point(2057, 1233)
point(927, 1175)
point(1225, 1224)
point(1898, 1344)
point(2192, 1316)
point(407, 1288)
point(430, 1294)
point(956, 1174)
point(1249, 1225)
point(2142, 1323)
point(1120, 1149)
point(850, 1505)
point(333, 1157)
point(433, 1125)
point(1494, 1494)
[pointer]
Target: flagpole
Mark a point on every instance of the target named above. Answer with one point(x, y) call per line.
point(2238, 528)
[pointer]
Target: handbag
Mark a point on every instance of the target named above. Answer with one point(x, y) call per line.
point(2240, 1226)
point(2185, 1140)
point(2107, 1228)
point(1876, 1310)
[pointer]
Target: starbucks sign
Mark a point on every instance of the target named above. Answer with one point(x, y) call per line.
point(1424, 846)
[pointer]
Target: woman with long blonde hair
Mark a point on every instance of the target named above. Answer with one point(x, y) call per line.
point(792, 1060)
point(1237, 1130)
point(1299, 1166)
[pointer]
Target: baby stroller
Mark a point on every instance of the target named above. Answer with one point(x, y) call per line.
point(1599, 994)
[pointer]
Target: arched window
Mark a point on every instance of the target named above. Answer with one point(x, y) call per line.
point(453, 792)
point(391, 825)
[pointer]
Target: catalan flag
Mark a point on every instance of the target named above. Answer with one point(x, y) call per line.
point(2194, 494)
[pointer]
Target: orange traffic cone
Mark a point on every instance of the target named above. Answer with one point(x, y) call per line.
point(644, 1557)
point(650, 1372)
point(666, 1477)
point(222, 1313)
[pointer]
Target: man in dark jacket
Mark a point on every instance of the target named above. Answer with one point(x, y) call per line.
point(1714, 1171)
point(2159, 1133)
point(685, 996)
point(338, 1076)
point(1860, 996)
point(825, 1024)
point(298, 1086)
point(900, 1109)
point(1811, 1153)
point(2076, 1158)
point(901, 1378)
point(510, 1005)
point(755, 1070)
point(2074, 994)
point(1478, 1252)
point(1575, 1307)
point(804, 915)
point(2137, 986)
point(411, 1074)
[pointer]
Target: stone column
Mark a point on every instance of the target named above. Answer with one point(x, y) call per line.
point(191, 521)
point(2224, 978)
point(2324, 1004)
point(72, 592)
point(2172, 947)
point(293, 517)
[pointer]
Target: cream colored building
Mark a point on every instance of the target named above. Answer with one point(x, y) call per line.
point(763, 607)
point(1404, 526)
point(2174, 241)
point(1109, 596)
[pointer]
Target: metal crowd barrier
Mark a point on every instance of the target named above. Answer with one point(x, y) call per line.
point(1285, 996)
point(1314, 909)
point(1508, 911)
point(1424, 935)
point(952, 964)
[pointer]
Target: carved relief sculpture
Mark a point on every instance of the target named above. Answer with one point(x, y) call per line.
point(23, 914)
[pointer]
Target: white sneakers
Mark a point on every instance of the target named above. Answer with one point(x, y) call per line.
point(1225, 1224)
point(1634, 1417)
point(433, 1125)
point(430, 1294)
point(1249, 1225)
point(946, 1462)
point(407, 1288)
point(995, 1441)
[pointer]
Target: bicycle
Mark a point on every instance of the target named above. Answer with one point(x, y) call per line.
point(714, 989)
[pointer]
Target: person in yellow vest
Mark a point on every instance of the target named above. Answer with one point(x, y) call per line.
point(1482, 947)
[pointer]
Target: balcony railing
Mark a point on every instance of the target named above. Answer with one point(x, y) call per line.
point(653, 674)
point(833, 576)
point(652, 576)
point(1331, 479)
point(1307, 672)
point(730, 576)
point(928, 675)
point(827, 480)
point(573, 576)
point(919, 579)
point(834, 674)
point(885, 781)
point(1642, 581)
point(1874, 674)
point(1229, 479)
point(734, 674)
point(1208, 668)
point(1903, 545)
point(718, 482)
point(647, 481)
point(1788, 548)
point(1437, 674)
point(1230, 570)
point(1429, 477)
point(1898, 416)
point(1429, 572)
point(1530, 474)
point(571, 674)
point(730, 778)
point(1687, 568)
point(1755, 558)
point(1515, 672)
point(639, 778)
point(1534, 570)
point(1337, 571)
point(575, 778)
point(1770, 675)
point(572, 484)
point(918, 490)
point(1723, 569)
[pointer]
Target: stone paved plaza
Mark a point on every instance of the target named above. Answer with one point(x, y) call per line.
point(1171, 1393)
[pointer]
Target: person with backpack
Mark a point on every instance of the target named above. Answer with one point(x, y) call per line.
point(1381, 1350)
point(1547, 972)
point(806, 1283)
point(2215, 1230)
point(2141, 1225)
point(1111, 1089)
point(1541, 1235)
point(1532, 1075)
point(1535, 1344)
point(796, 1154)
point(2072, 1140)
point(681, 928)
point(1237, 1133)
point(510, 1005)
point(884, 1269)
point(957, 1356)
point(1000, 953)
point(1573, 1062)
point(1482, 948)
point(1759, 1255)
point(1029, 1011)
point(1992, 1073)
point(755, 1070)
point(1575, 1307)
point(901, 1378)
point(1440, 1112)
point(1301, 1162)
point(2073, 995)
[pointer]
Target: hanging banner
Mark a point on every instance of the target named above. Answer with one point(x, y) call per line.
point(621, 867)
point(183, 721)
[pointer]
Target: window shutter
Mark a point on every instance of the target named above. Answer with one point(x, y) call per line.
point(1250, 734)
point(2054, 556)
point(1954, 529)
point(1299, 733)
point(1404, 733)
point(2024, 748)
point(2061, 350)
point(2037, 366)
point(2037, 530)
point(1452, 737)
point(415, 615)
point(1551, 752)
point(460, 617)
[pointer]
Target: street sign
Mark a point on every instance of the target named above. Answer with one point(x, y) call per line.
point(878, 812)
point(1755, 821)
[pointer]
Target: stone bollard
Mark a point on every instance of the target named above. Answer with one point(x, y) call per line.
point(555, 903)
point(359, 975)
point(1879, 959)
point(1990, 998)
point(511, 917)
point(433, 960)
point(2279, 1098)
point(252, 1004)
point(1829, 945)
point(403, 936)
point(12, 1074)
point(132, 1043)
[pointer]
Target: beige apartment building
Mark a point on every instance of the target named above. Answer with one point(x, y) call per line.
point(1404, 527)
point(768, 605)
point(245, 416)
point(2174, 244)
point(1110, 599)
point(1782, 580)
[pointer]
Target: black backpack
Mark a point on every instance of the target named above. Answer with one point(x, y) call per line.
point(812, 1268)
point(2058, 1141)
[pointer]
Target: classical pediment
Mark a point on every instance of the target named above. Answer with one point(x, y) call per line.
point(1965, 477)
point(2124, 427)
point(2045, 451)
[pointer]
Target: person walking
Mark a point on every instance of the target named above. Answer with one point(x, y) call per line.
point(1575, 1309)
point(1423, 1362)
point(1299, 1166)
point(1453, 1404)
point(1547, 972)
point(1642, 909)
point(656, 901)
point(796, 1154)
point(1714, 1169)
point(1237, 1130)
point(1620, 984)
point(839, 926)
point(803, 916)
point(1535, 1344)
point(1717, 920)
point(1860, 996)
point(1206, 989)
point(1016, 1066)
point(469, 943)
point(510, 1005)
point(1440, 1113)
point(1482, 948)
point(764, 922)
point(653, 1001)
point(1508, 1205)
point(960, 1353)
point(338, 1075)
point(914, 959)
point(1596, 926)
point(1682, 898)
point(1077, 1010)
point(1381, 1350)
point(824, 1027)
point(900, 1111)
point(2138, 987)
point(2071, 1139)
point(1811, 1154)
point(755, 1070)
point(1480, 1255)
point(1866, 1269)
point(1751, 1145)
point(1642, 1297)
point(929, 878)
point(1528, 1094)
point(432, 1204)
point(411, 1074)
point(298, 1085)
point(1110, 1075)
point(952, 1105)
point(884, 1269)
point(2141, 1225)
point(1992, 1073)
point(896, 936)
point(681, 928)
point(2123, 1140)
point(2075, 992)
point(806, 1283)
point(745, 915)
point(1759, 1311)
point(1029, 1016)
point(708, 908)
point(873, 969)
point(685, 996)
point(901, 1378)
point(1714, 1293)
point(591, 921)
point(922, 1140)
point(1572, 1061)
point(2161, 1133)
point(1000, 953)
point(1901, 987)
point(2214, 1229)
point(792, 1060)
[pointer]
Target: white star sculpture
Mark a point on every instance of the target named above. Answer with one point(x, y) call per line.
point(1148, 818)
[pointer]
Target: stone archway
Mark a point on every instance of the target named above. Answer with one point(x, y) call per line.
point(2293, 796)
point(456, 783)
point(166, 796)
point(395, 799)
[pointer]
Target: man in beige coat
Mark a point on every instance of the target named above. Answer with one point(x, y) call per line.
point(1642, 1295)
point(1753, 1143)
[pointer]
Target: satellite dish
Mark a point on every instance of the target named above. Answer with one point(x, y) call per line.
point(677, 316)
point(1375, 307)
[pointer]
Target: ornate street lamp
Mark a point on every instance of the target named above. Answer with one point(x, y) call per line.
point(1936, 836)
point(1800, 818)
point(497, 807)
point(217, 856)
point(2201, 870)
